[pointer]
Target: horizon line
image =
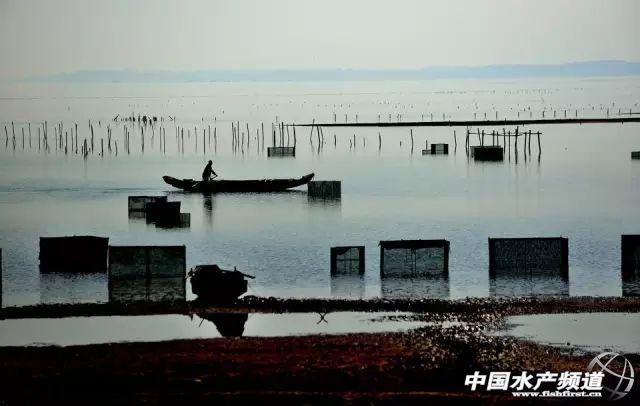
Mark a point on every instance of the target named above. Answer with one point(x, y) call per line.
point(597, 68)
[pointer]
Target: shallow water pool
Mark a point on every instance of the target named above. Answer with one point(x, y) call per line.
point(114, 329)
point(590, 332)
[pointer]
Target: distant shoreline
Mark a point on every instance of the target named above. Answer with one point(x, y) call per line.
point(567, 70)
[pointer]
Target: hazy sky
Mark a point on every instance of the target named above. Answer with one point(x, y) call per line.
point(47, 36)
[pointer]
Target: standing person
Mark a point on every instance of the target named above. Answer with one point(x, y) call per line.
point(208, 172)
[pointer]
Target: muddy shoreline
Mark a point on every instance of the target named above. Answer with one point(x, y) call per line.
point(504, 306)
point(424, 365)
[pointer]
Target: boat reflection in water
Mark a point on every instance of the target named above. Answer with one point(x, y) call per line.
point(228, 324)
point(207, 202)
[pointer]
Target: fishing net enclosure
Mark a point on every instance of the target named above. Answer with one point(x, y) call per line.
point(429, 287)
point(412, 258)
point(347, 286)
point(528, 285)
point(75, 254)
point(528, 256)
point(133, 262)
point(347, 260)
point(630, 256)
point(147, 290)
point(281, 151)
point(147, 273)
point(631, 288)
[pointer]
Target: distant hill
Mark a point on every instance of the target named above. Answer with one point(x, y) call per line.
point(575, 69)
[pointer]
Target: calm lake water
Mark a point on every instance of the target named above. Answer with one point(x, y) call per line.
point(583, 186)
point(592, 332)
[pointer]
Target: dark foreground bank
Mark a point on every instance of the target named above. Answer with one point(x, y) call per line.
point(425, 365)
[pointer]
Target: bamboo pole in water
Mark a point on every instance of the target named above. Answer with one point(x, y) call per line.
point(312, 125)
point(411, 132)
point(248, 136)
point(273, 137)
point(455, 141)
point(539, 146)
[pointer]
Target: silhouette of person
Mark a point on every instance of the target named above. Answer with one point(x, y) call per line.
point(208, 172)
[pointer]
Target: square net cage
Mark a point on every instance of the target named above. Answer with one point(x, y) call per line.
point(159, 290)
point(526, 285)
point(630, 257)
point(528, 256)
point(73, 254)
point(281, 151)
point(147, 262)
point(347, 260)
point(631, 288)
point(147, 273)
point(439, 149)
point(430, 287)
point(347, 286)
point(412, 258)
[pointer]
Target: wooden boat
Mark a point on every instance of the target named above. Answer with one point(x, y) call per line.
point(214, 285)
point(237, 185)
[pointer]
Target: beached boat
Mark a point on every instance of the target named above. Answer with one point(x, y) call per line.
point(214, 285)
point(237, 185)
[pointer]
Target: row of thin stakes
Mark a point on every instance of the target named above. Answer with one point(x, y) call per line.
point(152, 134)
point(543, 113)
point(546, 114)
point(496, 150)
point(68, 141)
